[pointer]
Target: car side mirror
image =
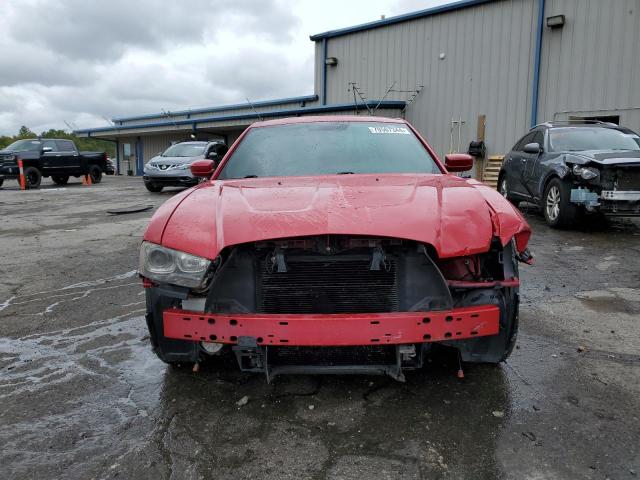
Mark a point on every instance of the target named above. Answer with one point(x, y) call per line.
point(212, 155)
point(458, 162)
point(202, 168)
point(534, 148)
point(46, 149)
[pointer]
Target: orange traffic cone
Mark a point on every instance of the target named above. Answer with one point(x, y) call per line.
point(86, 179)
point(23, 183)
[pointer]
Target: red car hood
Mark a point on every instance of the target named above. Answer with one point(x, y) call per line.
point(458, 217)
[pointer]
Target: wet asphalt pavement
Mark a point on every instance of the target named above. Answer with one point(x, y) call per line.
point(82, 396)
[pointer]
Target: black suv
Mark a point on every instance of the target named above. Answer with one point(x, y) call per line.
point(571, 168)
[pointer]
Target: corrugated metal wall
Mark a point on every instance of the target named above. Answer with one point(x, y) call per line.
point(591, 66)
point(486, 70)
point(588, 67)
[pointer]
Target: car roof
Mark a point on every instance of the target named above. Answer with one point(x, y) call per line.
point(40, 139)
point(327, 118)
point(197, 142)
point(571, 123)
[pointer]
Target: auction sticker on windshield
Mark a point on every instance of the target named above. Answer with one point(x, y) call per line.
point(400, 130)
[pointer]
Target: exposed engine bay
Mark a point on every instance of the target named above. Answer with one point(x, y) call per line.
point(359, 277)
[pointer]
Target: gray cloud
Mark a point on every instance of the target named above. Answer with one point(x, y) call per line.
point(259, 72)
point(79, 61)
point(102, 31)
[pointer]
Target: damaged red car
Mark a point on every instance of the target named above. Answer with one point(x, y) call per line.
point(334, 244)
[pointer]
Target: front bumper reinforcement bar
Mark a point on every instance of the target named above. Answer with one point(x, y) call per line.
point(333, 329)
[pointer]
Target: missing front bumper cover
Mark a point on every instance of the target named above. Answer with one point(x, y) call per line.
point(388, 360)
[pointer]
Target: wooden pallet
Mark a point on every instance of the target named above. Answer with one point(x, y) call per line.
point(492, 170)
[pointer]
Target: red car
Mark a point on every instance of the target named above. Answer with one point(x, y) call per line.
point(333, 244)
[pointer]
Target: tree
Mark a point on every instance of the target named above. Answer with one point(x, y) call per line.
point(82, 143)
point(24, 132)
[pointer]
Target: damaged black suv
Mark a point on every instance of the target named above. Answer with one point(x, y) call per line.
point(570, 168)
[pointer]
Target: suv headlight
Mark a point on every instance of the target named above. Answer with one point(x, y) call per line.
point(184, 166)
point(166, 265)
point(585, 172)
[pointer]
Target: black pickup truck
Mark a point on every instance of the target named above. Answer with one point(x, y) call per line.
point(50, 157)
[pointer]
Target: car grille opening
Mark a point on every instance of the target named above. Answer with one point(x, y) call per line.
point(328, 285)
point(333, 356)
point(629, 180)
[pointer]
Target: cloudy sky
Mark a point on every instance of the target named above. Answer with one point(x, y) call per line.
point(81, 62)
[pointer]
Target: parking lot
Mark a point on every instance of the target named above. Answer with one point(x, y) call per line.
point(83, 396)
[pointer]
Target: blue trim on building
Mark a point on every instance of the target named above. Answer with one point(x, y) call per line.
point(341, 107)
point(139, 157)
point(324, 70)
point(399, 19)
point(536, 66)
point(236, 106)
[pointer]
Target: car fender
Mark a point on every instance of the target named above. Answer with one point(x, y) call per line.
point(556, 169)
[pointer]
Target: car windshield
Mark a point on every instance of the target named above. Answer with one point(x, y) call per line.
point(25, 146)
point(592, 138)
point(185, 150)
point(326, 148)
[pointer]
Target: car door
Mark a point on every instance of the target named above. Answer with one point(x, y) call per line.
point(516, 164)
point(532, 165)
point(51, 159)
point(69, 155)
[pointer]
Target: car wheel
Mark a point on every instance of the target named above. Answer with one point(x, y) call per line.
point(60, 179)
point(95, 172)
point(558, 211)
point(496, 348)
point(152, 187)
point(32, 177)
point(503, 188)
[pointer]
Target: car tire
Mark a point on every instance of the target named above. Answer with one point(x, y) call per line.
point(32, 178)
point(169, 350)
point(95, 172)
point(152, 187)
point(503, 188)
point(60, 179)
point(493, 349)
point(557, 208)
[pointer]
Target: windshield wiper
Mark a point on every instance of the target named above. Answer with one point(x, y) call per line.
point(344, 173)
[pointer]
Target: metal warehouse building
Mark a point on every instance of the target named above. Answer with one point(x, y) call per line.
point(471, 70)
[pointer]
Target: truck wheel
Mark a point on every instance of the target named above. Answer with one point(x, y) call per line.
point(152, 187)
point(95, 172)
point(32, 177)
point(60, 179)
point(558, 210)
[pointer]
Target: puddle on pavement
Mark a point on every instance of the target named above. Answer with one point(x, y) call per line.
point(100, 401)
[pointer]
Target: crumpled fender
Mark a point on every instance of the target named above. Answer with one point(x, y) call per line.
point(506, 219)
point(161, 217)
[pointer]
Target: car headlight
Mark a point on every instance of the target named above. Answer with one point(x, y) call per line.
point(167, 265)
point(184, 166)
point(585, 172)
